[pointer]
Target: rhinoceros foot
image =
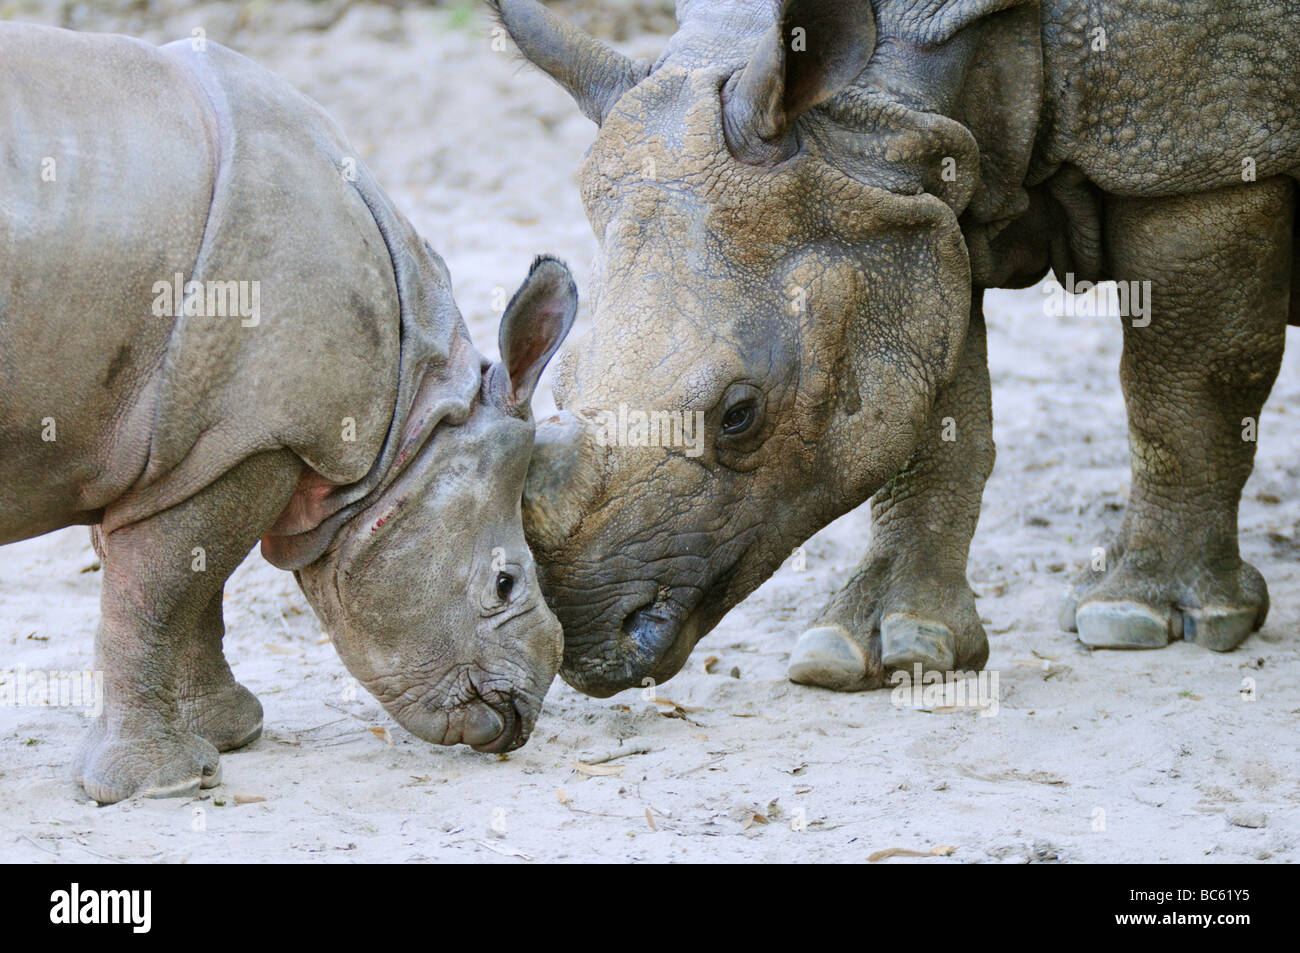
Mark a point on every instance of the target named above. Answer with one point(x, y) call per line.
point(227, 716)
point(1143, 600)
point(145, 761)
point(886, 619)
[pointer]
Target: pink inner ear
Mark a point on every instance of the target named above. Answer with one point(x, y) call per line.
point(306, 509)
point(527, 350)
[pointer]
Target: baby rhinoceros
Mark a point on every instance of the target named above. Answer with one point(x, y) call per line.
point(215, 329)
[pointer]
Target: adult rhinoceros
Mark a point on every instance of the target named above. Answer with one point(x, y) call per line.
point(798, 207)
point(215, 328)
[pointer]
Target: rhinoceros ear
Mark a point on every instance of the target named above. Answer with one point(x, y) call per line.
point(593, 74)
point(535, 324)
point(815, 49)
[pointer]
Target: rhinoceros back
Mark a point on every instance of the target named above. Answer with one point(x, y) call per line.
point(1154, 98)
point(104, 186)
point(196, 168)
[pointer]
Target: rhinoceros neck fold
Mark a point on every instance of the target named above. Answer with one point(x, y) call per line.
point(439, 375)
point(949, 104)
point(964, 79)
point(359, 350)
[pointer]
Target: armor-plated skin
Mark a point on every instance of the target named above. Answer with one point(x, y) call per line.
point(799, 205)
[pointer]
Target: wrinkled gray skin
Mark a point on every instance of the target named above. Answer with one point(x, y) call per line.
point(350, 424)
point(798, 206)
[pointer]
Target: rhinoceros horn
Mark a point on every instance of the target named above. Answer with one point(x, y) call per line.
point(564, 478)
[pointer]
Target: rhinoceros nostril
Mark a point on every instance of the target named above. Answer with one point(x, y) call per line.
point(649, 631)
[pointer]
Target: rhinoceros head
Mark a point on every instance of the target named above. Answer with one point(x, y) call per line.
point(750, 281)
point(429, 591)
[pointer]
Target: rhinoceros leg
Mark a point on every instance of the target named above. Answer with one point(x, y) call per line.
point(212, 704)
point(1195, 379)
point(909, 601)
point(162, 577)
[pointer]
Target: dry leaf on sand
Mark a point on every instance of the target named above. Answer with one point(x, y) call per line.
point(908, 852)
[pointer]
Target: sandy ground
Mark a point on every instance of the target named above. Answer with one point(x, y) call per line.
point(1149, 756)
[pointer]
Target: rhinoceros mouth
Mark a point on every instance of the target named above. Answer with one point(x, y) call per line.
point(514, 729)
point(490, 726)
point(486, 717)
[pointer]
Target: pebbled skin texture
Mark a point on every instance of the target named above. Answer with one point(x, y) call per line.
point(1183, 92)
point(350, 425)
point(1220, 265)
point(1052, 155)
point(909, 601)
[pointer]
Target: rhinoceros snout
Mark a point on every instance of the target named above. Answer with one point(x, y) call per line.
point(497, 728)
point(648, 634)
point(649, 647)
point(501, 724)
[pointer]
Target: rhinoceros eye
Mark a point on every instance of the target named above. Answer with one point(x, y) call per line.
point(738, 419)
point(505, 584)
